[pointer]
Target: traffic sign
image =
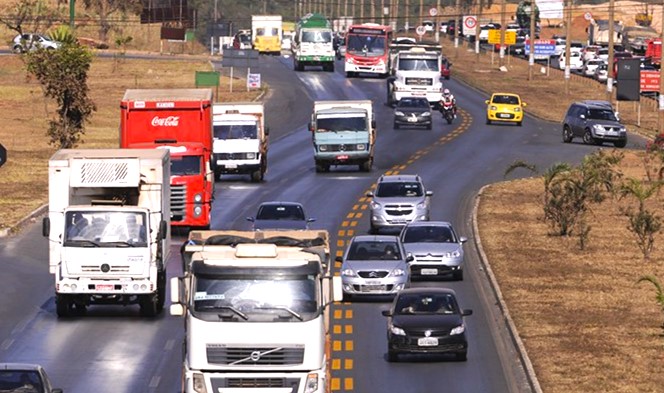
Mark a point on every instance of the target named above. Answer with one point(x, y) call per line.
point(433, 11)
point(542, 47)
point(510, 37)
point(253, 81)
point(469, 24)
point(494, 36)
point(588, 16)
point(3, 155)
point(649, 80)
point(420, 30)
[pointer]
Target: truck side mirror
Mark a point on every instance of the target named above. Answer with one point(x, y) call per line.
point(311, 126)
point(337, 289)
point(163, 229)
point(46, 227)
point(373, 123)
point(267, 131)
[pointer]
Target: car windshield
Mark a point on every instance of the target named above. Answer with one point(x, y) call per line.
point(245, 39)
point(23, 381)
point(399, 189)
point(280, 212)
point(257, 299)
point(317, 36)
point(413, 103)
point(349, 122)
point(601, 114)
point(236, 130)
point(373, 250)
point(428, 234)
point(366, 44)
point(418, 64)
point(185, 165)
point(104, 228)
point(425, 303)
point(505, 99)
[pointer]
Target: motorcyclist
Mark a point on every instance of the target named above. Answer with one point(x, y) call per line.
point(449, 97)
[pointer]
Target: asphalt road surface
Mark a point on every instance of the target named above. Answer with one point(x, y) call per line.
point(113, 349)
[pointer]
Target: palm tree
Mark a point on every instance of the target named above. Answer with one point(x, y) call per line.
point(659, 296)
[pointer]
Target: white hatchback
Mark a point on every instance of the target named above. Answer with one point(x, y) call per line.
point(24, 42)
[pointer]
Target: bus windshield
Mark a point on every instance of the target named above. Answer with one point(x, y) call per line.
point(367, 45)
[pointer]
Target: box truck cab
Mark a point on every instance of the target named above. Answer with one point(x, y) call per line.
point(178, 120)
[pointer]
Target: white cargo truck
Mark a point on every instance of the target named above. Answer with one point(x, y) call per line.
point(240, 139)
point(266, 33)
point(416, 70)
point(256, 309)
point(108, 227)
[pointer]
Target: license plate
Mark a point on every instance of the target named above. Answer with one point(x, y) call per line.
point(374, 288)
point(231, 166)
point(429, 272)
point(104, 287)
point(372, 282)
point(412, 119)
point(504, 115)
point(427, 342)
point(343, 157)
point(417, 93)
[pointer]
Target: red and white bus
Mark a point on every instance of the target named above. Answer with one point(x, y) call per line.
point(367, 49)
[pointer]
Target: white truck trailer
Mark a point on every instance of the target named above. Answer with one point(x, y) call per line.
point(240, 139)
point(256, 309)
point(108, 227)
point(416, 70)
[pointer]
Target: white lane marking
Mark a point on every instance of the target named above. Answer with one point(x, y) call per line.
point(154, 382)
point(7, 343)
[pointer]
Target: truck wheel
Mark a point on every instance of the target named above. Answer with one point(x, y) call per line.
point(63, 305)
point(329, 67)
point(217, 175)
point(320, 168)
point(296, 65)
point(161, 290)
point(256, 176)
point(366, 165)
point(148, 304)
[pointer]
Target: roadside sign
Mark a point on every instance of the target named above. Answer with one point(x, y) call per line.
point(433, 11)
point(588, 16)
point(3, 155)
point(649, 80)
point(420, 30)
point(239, 58)
point(253, 81)
point(542, 47)
point(494, 36)
point(469, 24)
point(510, 37)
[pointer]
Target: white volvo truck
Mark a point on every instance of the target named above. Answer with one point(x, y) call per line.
point(240, 139)
point(108, 227)
point(256, 309)
point(416, 72)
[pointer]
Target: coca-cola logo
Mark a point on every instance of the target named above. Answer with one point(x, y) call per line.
point(170, 121)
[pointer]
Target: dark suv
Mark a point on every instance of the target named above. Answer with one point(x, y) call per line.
point(595, 122)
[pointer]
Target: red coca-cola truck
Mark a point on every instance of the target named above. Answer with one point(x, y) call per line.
point(179, 120)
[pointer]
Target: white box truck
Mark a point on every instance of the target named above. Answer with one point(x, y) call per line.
point(416, 70)
point(108, 227)
point(256, 309)
point(240, 139)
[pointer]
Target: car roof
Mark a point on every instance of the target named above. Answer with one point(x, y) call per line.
point(428, 224)
point(505, 94)
point(279, 203)
point(375, 238)
point(20, 366)
point(399, 178)
point(596, 104)
point(434, 290)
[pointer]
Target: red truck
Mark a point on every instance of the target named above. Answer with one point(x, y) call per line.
point(654, 51)
point(179, 120)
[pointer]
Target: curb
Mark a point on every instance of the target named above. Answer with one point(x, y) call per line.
point(13, 229)
point(511, 327)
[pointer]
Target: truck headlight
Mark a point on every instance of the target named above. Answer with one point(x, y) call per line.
point(311, 385)
point(199, 383)
point(360, 146)
point(322, 147)
point(251, 156)
point(198, 198)
point(198, 210)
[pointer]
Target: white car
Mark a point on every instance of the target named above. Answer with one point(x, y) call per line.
point(591, 65)
point(575, 62)
point(24, 42)
point(601, 72)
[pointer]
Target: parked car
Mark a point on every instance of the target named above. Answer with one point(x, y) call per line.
point(412, 111)
point(25, 378)
point(280, 215)
point(595, 122)
point(374, 265)
point(398, 200)
point(426, 321)
point(436, 249)
point(27, 42)
point(505, 107)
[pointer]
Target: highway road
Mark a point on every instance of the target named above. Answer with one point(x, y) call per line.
point(113, 349)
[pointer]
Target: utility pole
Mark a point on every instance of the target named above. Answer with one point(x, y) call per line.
point(609, 79)
point(407, 22)
point(437, 22)
point(478, 29)
point(457, 26)
point(503, 11)
point(660, 117)
point(72, 13)
point(531, 52)
point(568, 45)
point(421, 20)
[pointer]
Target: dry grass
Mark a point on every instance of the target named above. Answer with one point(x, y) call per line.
point(25, 114)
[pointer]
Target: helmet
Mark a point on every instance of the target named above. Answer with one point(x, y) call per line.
point(446, 92)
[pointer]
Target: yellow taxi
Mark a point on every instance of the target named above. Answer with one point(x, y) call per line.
point(506, 107)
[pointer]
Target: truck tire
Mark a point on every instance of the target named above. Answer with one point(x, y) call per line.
point(390, 92)
point(148, 304)
point(256, 176)
point(63, 305)
point(296, 65)
point(217, 174)
point(320, 168)
point(366, 165)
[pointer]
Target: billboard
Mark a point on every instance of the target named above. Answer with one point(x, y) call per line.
point(159, 11)
point(550, 9)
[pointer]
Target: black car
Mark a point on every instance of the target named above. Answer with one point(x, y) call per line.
point(280, 215)
point(426, 321)
point(412, 111)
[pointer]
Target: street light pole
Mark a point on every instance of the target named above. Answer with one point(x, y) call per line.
point(568, 44)
point(531, 51)
point(609, 78)
point(457, 26)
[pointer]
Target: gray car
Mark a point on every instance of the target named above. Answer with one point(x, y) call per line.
point(436, 249)
point(374, 265)
point(595, 122)
point(280, 215)
point(398, 200)
point(25, 378)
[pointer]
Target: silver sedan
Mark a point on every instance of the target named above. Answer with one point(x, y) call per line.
point(436, 249)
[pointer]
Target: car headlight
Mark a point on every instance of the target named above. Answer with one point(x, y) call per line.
point(598, 127)
point(397, 331)
point(361, 146)
point(458, 330)
point(399, 113)
point(398, 272)
point(493, 108)
point(348, 273)
point(517, 109)
point(198, 198)
point(322, 147)
point(421, 205)
point(375, 205)
point(311, 386)
point(453, 254)
point(251, 156)
point(425, 114)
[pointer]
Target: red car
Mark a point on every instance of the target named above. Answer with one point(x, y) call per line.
point(445, 68)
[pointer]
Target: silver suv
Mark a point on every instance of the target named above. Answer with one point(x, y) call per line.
point(595, 122)
point(398, 200)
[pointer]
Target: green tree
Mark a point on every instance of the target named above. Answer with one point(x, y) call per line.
point(659, 293)
point(34, 13)
point(642, 222)
point(63, 75)
point(105, 8)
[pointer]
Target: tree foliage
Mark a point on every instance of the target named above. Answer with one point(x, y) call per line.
point(642, 222)
point(105, 8)
point(659, 292)
point(34, 13)
point(63, 75)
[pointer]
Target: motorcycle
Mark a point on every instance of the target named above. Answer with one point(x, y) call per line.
point(447, 110)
